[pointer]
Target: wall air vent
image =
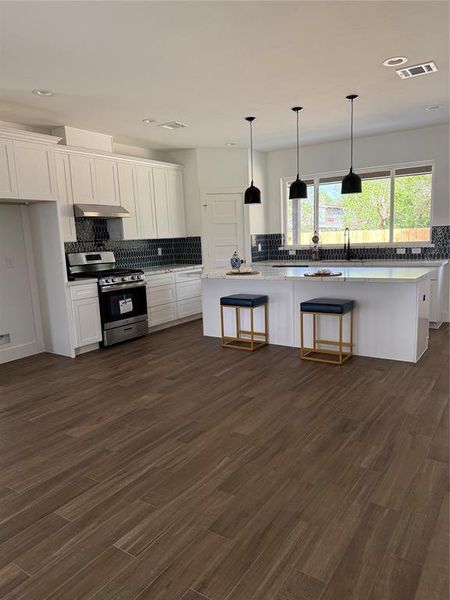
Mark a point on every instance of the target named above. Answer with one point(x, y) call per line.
point(172, 125)
point(416, 70)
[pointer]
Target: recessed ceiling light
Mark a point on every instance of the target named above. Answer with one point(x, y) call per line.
point(433, 107)
point(229, 144)
point(43, 92)
point(173, 125)
point(148, 121)
point(395, 61)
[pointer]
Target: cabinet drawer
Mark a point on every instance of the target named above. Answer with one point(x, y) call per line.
point(161, 295)
point(162, 314)
point(187, 275)
point(189, 289)
point(87, 290)
point(186, 308)
point(158, 280)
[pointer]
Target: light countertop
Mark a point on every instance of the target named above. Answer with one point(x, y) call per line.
point(353, 263)
point(170, 268)
point(363, 273)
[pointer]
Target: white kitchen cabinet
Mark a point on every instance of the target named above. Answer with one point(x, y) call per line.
point(175, 202)
point(94, 180)
point(105, 177)
point(86, 314)
point(64, 199)
point(8, 179)
point(82, 177)
point(88, 329)
point(161, 203)
point(172, 296)
point(36, 171)
point(145, 202)
point(127, 195)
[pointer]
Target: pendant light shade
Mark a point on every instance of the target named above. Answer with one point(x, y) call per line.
point(351, 184)
point(298, 188)
point(252, 194)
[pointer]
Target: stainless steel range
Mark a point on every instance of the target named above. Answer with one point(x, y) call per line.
point(122, 294)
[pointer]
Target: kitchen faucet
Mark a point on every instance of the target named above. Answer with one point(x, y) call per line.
point(348, 252)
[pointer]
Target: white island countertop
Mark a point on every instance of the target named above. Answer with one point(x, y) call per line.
point(351, 274)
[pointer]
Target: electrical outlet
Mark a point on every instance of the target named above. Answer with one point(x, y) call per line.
point(291, 252)
point(159, 251)
point(401, 250)
point(259, 247)
point(9, 262)
point(416, 250)
point(5, 338)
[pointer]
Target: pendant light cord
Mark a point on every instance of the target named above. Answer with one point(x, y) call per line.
point(298, 151)
point(351, 138)
point(251, 148)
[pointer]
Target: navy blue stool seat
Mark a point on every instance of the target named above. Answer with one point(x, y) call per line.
point(326, 307)
point(247, 300)
point(245, 339)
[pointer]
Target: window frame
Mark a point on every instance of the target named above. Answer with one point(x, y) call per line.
point(284, 182)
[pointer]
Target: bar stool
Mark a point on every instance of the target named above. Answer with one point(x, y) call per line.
point(330, 307)
point(250, 301)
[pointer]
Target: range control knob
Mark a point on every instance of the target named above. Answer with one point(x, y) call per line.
point(107, 280)
point(124, 278)
point(113, 279)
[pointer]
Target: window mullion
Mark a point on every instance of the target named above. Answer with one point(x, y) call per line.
point(316, 204)
point(391, 207)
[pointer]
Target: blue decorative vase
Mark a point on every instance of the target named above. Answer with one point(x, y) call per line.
point(236, 261)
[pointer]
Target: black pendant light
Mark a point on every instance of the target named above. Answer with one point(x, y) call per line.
point(298, 188)
point(351, 184)
point(252, 194)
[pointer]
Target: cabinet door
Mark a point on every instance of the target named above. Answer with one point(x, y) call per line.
point(163, 227)
point(8, 180)
point(175, 201)
point(65, 203)
point(127, 195)
point(145, 203)
point(36, 171)
point(106, 191)
point(82, 179)
point(88, 328)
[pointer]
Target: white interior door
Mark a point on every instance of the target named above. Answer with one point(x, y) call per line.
point(224, 227)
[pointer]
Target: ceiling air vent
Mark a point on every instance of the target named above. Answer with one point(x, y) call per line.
point(173, 125)
point(416, 70)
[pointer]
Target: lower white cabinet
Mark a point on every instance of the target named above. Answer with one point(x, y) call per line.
point(172, 296)
point(86, 314)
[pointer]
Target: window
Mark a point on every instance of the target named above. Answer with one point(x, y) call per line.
point(394, 207)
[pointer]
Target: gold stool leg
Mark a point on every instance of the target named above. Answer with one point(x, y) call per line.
point(340, 339)
point(238, 321)
point(252, 329)
point(266, 323)
point(351, 332)
point(314, 332)
point(301, 334)
point(221, 325)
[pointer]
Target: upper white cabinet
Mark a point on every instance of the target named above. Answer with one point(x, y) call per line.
point(82, 178)
point(169, 202)
point(127, 195)
point(175, 201)
point(8, 180)
point(65, 202)
point(36, 171)
point(94, 180)
point(147, 216)
point(106, 187)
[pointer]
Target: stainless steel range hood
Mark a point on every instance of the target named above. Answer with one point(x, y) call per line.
point(102, 211)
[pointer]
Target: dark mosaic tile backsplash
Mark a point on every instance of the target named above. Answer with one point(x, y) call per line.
point(92, 234)
point(440, 237)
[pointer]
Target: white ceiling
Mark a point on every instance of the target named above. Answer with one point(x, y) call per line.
point(209, 64)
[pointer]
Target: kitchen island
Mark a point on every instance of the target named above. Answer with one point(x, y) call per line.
point(392, 305)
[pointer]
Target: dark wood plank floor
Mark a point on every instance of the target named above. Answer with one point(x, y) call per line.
point(168, 468)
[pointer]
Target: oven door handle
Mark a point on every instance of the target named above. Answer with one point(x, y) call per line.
point(122, 286)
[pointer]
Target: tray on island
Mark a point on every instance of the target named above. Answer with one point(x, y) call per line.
point(324, 273)
point(243, 273)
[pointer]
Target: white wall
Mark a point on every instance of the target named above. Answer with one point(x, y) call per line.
point(427, 143)
point(19, 312)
